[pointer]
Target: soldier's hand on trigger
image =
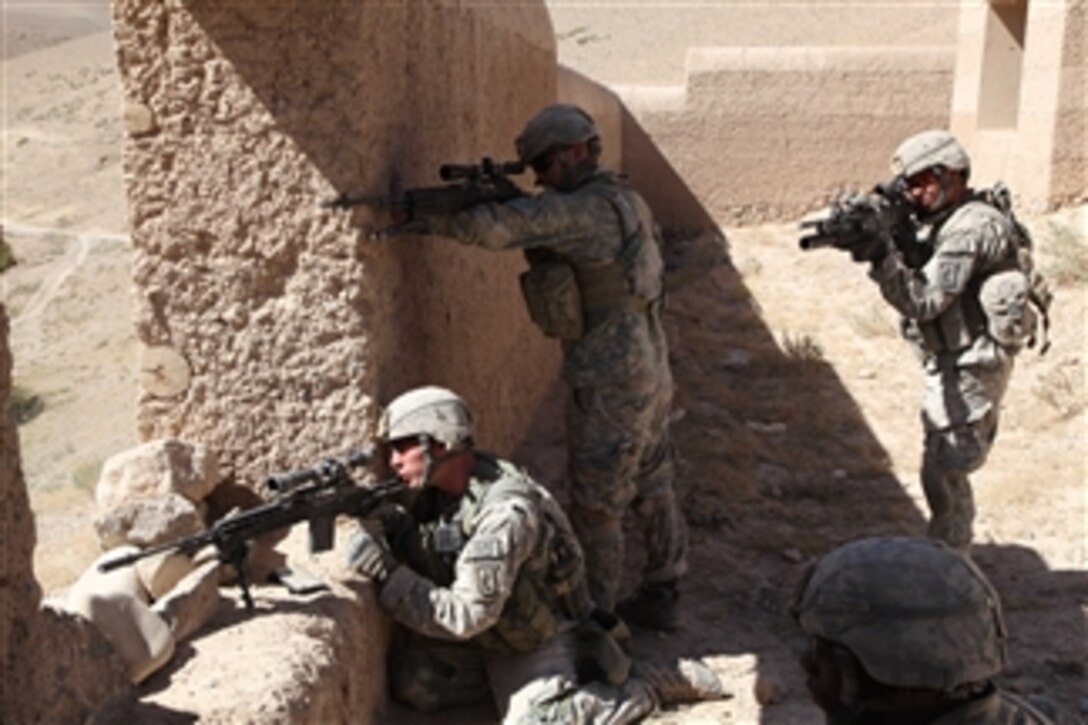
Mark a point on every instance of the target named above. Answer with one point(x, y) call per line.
point(370, 556)
point(872, 250)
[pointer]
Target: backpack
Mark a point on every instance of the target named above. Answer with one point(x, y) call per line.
point(1013, 299)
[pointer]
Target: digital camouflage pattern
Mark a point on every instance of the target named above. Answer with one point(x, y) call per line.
point(617, 417)
point(621, 458)
point(496, 607)
point(432, 411)
point(556, 125)
point(914, 612)
point(928, 149)
point(966, 370)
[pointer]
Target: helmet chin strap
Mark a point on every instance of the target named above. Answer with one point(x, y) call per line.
point(431, 462)
point(945, 179)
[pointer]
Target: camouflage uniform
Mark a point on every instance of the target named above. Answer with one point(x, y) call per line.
point(966, 370)
point(493, 598)
point(616, 364)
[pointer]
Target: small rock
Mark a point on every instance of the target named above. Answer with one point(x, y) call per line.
point(839, 474)
point(793, 555)
point(138, 119)
point(768, 691)
point(866, 374)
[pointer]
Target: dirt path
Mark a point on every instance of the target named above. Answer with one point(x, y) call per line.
point(78, 246)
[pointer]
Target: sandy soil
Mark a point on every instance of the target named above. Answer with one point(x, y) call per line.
point(796, 417)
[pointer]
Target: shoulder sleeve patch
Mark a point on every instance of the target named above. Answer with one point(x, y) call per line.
point(487, 579)
point(949, 276)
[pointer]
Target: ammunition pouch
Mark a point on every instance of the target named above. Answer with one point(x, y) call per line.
point(1005, 300)
point(551, 293)
point(526, 624)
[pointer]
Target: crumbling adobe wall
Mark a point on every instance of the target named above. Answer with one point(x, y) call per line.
point(761, 134)
point(54, 667)
point(272, 329)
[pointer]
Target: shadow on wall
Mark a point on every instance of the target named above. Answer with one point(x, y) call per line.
point(359, 97)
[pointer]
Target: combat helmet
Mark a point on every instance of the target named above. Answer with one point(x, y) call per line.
point(561, 124)
point(431, 411)
point(915, 613)
point(927, 150)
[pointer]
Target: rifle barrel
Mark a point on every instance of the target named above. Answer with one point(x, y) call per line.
point(345, 200)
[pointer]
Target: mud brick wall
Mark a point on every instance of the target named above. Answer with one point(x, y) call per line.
point(766, 134)
point(1020, 102)
point(273, 329)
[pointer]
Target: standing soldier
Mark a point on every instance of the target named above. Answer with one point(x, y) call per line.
point(966, 311)
point(485, 579)
point(595, 282)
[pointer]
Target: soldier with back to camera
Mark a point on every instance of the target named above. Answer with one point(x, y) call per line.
point(483, 574)
point(596, 282)
point(963, 287)
point(905, 631)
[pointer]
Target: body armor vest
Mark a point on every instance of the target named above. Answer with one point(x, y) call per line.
point(565, 296)
point(1002, 312)
point(550, 589)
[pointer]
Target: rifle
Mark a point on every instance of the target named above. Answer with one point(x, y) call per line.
point(471, 184)
point(860, 223)
point(317, 495)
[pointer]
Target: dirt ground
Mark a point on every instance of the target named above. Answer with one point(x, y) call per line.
point(796, 415)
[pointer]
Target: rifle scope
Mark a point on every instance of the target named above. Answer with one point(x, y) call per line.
point(485, 169)
point(325, 472)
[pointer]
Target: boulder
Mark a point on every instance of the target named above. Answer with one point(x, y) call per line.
point(191, 602)
point(161, 466)
point(147, 521)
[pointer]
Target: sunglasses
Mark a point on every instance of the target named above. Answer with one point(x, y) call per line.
point(544, 161)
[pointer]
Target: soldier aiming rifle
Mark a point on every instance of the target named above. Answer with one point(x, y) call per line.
point(471, 184)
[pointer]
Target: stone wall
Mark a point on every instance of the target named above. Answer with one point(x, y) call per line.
point(272, 329)
point(1020, 103)
point(760, 134)
point(54, 667)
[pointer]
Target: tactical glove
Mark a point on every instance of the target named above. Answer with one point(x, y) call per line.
point(370, 556)
point(871, 250)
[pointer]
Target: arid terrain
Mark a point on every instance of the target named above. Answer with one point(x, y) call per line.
point(795, 422)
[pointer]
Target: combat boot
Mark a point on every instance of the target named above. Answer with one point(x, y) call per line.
point(655, 606)
point(684, 680)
